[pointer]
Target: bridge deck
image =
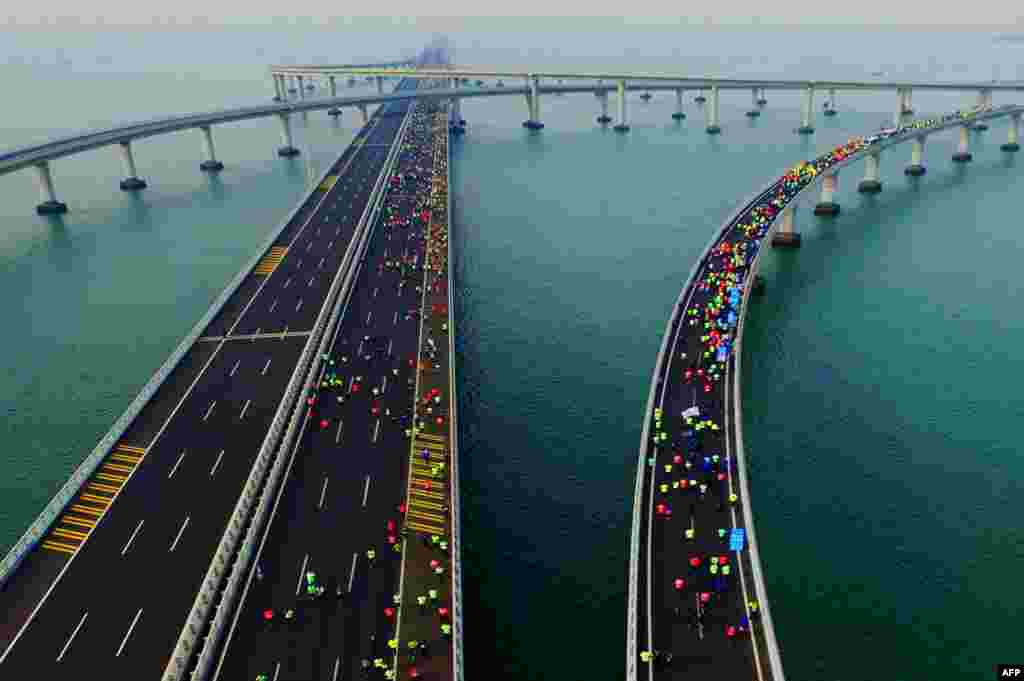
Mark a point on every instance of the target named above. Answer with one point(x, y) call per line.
point(111, 587)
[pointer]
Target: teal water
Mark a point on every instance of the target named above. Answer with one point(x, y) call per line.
point(880, 387)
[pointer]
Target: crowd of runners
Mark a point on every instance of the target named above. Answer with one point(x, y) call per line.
point(688, 460)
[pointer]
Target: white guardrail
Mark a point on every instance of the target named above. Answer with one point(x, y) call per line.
point(38, 529)
point(224, 559)
point(453, 424)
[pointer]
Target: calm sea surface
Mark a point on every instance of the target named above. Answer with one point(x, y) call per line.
point(881, 374)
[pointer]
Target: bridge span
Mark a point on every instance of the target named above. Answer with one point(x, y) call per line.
point(697, 603)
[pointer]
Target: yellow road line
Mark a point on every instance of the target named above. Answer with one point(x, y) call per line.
point(428, 436)
point(78, 508)
point(425, 528)
point(426, 504)
point(137, 450)
point(426, 516)
point(81, 523)
point(70, 534)
point(110, 478)
point(102, 488)
point(125, 458)
point(119, 467)
point(54, 546)
point(95, 499)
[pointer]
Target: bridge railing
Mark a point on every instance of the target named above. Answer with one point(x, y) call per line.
point(41, 525)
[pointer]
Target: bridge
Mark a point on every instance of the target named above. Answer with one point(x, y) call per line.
point(697, 601)
point(244, 405)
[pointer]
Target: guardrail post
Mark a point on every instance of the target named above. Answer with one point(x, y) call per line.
point(50, 204)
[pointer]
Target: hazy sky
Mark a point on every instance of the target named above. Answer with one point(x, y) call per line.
point(191, 13)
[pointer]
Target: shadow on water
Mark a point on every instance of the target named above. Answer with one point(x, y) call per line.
point(217, 190)
point(140, 208)
point(293, 168)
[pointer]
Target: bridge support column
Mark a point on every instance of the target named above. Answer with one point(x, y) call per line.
point(871, 184)
point(713, 127)
point(678, 114)
point(785, 234)
point(333, 84)
point(830, 103)
point(364, 114)
point(533, 104)
point(984, 99)
point(287, 149)
point(131, 180)
point(963, 150)
point(380, 85)
point(897, 117)
point(700, 98)
point(762, 98)
point(302, 88)
point(623, 124)
point(602, 97)
point(50, 204)
point(827, 205)
point(1011, 135)
point(278, 90)
point(916, 167)
point(211, 164)
point(807, 113)
point(908, 107)
point(754, 111)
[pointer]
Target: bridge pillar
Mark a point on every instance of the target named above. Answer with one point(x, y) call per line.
point(807, 112)
point(278, 90)
point(333, 84)
point(302, 88)
point(1012, 133)
point(754, 111)
point(623, 124)
point(380, 85)
point(908, 108)
point(963, 150)
point(364, 114)
point(678, 114)
point(984, 99)
point(827, 204)
point(131, 180)
point(50, 204)
point(533, 104)
point(713, 126)
point(700, 98)
point(830, 103)
point(602, 97)
point(785, 234)
point(287, 149)
point(211, 164)
point(916, 167)
point(762, 98)
point(871, 184)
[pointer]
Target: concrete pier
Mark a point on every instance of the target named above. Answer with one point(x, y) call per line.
point(897, 116)
point(278, 90)
point(827, 205)
point(871, 184)
point(762, 98)
point(830, 103)
point(533, 104)
point(700, 98)
point(50, 205)
point(302, 88)
point(963, 150)
point(908, 107)
point(211, 164)
point(785, 234)
point(132, 181)
point(753, 111)
point(287, 148)
point(380, 85)
point(714, 126)
point(678, 114)
point(984, 99)
point(364, 114)
point(332, 83)
point(916, 167)
point(604, 118)
point(623, 124)
point(1012, 134)
point(807, 113)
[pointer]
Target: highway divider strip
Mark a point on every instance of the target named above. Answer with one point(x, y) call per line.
point(301, 378)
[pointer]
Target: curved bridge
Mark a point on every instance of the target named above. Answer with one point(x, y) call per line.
point(697, 601)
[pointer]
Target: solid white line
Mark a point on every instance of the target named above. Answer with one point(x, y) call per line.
point(389, 345)
point(128, 633)
point(235, 368)
point(366, 490)
point(216, 463)
point(376, 430)
point(302, 572)
point(320, 264)
point(368, 315)
point(242, 415)
point(337, 438)
point(311, 280)
point(330, 245)
point(132, 538)
point(285, 332)
point(375, 292)
point(395, 321)
point(298, 265)
point(265, 367)
point(82, 621)
point(322, 493)
point(299, 306)
point(277, 670)
point(385, 252)
point(385, 384)
point(309, 245)
point(352, 572)
point(256, 335)
point(178, 463)
point(359, 350)
point(212, 405)
point(273, 305)
point(180, 532)
point(337, 663)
